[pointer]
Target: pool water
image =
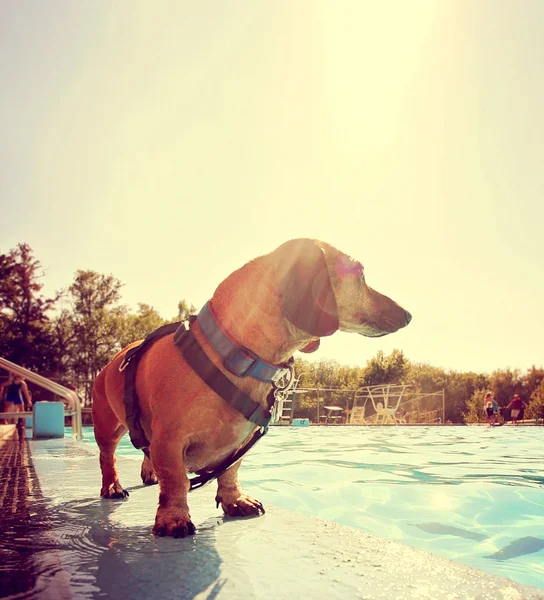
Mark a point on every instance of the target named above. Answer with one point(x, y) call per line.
point(471, 494)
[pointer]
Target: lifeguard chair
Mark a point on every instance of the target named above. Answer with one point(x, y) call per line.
point(384, 399)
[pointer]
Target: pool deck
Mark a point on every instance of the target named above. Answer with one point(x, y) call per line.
point(59, 540)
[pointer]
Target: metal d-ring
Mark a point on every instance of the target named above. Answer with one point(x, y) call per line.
point(286, 381)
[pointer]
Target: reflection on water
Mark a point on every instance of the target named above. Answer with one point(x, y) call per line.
point(104, 561)
point(472, 494)
point(79, 548)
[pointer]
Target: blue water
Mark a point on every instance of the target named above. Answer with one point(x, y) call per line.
point(471, 494)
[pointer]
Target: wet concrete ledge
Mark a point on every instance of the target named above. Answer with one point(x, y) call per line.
point(78, 546)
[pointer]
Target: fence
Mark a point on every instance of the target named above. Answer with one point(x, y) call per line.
point(367, 405)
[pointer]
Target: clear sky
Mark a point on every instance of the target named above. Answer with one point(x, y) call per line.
point(169, 142)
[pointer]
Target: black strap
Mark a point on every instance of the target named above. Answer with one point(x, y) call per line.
point(200, 363)
point(212, 376)
point(130, 398)
point(203, 477)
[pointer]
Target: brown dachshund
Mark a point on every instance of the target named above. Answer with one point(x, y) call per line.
point(274, 305)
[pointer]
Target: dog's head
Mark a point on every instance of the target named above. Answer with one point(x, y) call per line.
point(323, 290)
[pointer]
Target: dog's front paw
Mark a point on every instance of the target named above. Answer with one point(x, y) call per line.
point(173, 522)
point(243, 506)
point(114, 492)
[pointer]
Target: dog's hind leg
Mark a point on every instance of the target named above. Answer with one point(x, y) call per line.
point(111, 486)
point(168, 457)
point(147, 473)
point(233, 501)
point(107, 431)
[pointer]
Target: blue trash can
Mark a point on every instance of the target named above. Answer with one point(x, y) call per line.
point(48, 420)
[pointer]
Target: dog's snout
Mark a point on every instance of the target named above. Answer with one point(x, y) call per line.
point(387, 315)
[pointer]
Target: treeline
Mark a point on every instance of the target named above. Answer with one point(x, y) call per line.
point(70, 336)
point(464, 391)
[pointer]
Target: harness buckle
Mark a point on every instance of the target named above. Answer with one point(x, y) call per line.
point(234, 360)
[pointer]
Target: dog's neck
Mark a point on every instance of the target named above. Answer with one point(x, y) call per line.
point(248, 307)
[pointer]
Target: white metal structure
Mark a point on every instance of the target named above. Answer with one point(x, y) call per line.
point(373, 405)
point(284, 407)
point(56, 388)
point(385, 400)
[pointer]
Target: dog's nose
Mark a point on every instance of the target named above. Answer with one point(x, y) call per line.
point(408, 317)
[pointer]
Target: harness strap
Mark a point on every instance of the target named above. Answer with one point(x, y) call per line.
point(212, 376)
point(203, 477)
point(200, 363)
point(130, 397)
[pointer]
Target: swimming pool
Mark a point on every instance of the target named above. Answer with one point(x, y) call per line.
point(471, 494)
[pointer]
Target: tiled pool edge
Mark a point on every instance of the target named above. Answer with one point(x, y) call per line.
point(23, 519)
point(280, 555)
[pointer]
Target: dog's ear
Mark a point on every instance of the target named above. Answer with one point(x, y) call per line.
point(311, 347)
point(308, 300)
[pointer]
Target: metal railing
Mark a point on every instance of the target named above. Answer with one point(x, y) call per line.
point(56, 388)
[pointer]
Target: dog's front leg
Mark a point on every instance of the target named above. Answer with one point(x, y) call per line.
point(173, 513)
point(233, 501)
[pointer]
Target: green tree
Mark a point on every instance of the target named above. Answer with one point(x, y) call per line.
point(536, 405)
point(532, 380)
point(98, 324)
point(64, 335)
point(140, 325)
point(424, 377)
point(325, 373)
point(25, 334)
point(385, 369)
point(306, 406)
point(504, 383)
point(306, 371)
point(459, 388)
point(475, 407)
point(7, 264)
point(184, 310)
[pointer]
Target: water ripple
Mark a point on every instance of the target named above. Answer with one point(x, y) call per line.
point(472, 494)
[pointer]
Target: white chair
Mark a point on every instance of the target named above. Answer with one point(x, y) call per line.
point(387, 415)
